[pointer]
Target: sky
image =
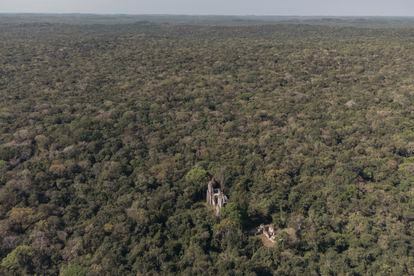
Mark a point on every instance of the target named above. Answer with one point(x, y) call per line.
point(216, 7)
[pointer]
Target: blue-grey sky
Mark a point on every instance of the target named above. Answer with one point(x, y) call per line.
point(221, 7)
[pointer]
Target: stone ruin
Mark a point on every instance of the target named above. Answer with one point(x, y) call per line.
point(215, 195)
point(268, 231)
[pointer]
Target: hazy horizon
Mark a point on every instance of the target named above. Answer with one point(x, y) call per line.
point(202, 15)
point(351, 8)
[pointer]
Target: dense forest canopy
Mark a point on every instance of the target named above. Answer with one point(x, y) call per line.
point(109, 134)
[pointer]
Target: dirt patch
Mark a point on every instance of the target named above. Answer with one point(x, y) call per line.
point(266, 242)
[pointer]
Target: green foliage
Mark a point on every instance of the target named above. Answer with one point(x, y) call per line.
point(3, 168)
point(109, 134)
point(2, 164)
point(18, 258)
point(73, 270)
point(234, 213)
point(196, 175)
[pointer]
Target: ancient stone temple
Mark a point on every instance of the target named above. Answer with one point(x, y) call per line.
point(215, 195)
point(268, 231)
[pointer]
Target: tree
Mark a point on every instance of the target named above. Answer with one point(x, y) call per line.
point(19, 260)
point(73, 270)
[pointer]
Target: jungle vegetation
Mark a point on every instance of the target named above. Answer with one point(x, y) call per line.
point(109, 134)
